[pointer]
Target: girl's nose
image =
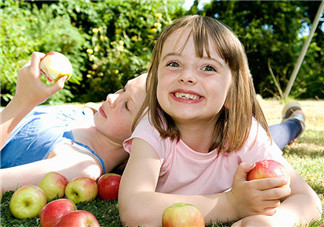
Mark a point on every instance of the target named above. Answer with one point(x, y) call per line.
point(112, 99)
point(187, 77)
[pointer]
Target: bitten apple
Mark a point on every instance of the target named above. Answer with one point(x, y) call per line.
point(79, 218)
point(54, 210)
point(268, 169)
point(81, 189)
point(53, 184)
point(108, 186)
point(27, 202)
point(182, 214)
point(55, 65)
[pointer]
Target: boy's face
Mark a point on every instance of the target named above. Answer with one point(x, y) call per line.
point(190, 88)
point(115, 117)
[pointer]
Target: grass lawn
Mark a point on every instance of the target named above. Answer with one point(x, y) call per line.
point(306, 156)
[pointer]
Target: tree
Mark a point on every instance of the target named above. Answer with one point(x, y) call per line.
point(272, 33)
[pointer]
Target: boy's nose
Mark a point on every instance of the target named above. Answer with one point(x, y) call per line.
point(112, 99)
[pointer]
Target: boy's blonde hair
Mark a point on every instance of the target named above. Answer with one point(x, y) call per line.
point(233, 122)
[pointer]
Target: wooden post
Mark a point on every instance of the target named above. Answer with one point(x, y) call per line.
point(304, 50)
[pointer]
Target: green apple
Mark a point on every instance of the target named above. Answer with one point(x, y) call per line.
point(27, 202)
point(81, 189)
point(182, 214)
point(55, 65)
point(53, 184)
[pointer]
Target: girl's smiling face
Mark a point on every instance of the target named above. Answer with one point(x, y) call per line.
point(191, 88)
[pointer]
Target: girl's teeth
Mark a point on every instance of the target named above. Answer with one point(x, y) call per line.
point(186, 96)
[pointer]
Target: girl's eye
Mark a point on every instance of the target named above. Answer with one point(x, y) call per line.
point(126, 106)
point(173, 64)
point(209, 68)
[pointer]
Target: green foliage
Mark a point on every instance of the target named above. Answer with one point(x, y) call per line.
point(28, 28)
point(107, 42)
point(121, 41)
point(110, 41)
point(271, 31)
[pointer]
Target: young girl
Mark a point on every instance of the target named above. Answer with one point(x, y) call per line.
point(198, 134)
point(62, 138)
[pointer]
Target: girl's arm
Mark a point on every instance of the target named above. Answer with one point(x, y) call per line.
point(69, 161)
point(300, 208)
point(139, 204)
point(30, 92)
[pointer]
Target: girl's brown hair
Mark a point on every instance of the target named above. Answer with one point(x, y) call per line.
point(233, 122)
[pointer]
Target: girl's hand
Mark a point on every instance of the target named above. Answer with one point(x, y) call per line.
point(256, 196)
point(30, 90)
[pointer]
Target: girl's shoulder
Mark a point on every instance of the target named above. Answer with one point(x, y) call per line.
point(258, 146)
point(147, 132)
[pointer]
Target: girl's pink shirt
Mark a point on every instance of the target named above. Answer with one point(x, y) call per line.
point(185, 171)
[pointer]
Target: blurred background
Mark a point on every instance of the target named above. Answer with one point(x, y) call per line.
point(110, 41)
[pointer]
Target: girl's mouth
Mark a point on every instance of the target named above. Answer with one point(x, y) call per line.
point(102, 112)
point(186, 96)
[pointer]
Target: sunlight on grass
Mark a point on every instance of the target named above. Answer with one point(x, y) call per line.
point(306, 155)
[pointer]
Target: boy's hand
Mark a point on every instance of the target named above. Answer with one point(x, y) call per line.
point(30, 89)
point(257, 196)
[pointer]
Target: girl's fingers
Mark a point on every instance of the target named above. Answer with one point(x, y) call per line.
point(36, 57)
point(59, 84)
point(269, 183)
point(276, 193)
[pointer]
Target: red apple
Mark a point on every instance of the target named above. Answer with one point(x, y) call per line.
point(81, 189)
point(79, 218)
point(54, 65)
point(108, 186)
point(54, 210)
point(27, 202)
point(182, 214)
point(268, 169)
point(53, 184)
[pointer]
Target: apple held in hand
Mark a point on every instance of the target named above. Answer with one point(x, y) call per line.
point(182, 214)
point(27, 202)
point(53, 184)
point(79, 218)
point(81, 189)
point(54, 65)
point(108, 186)
point(268, 169)
point(54, 210)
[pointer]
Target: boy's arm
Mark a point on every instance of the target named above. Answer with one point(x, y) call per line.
point(69, 161)
point(30, 92)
